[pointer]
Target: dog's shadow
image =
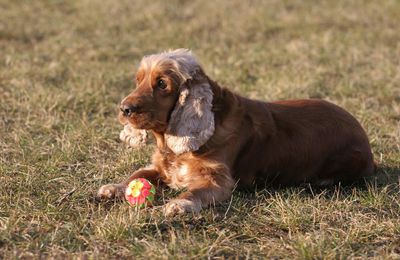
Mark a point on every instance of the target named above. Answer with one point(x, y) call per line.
point(243, 201)
point(386, 179)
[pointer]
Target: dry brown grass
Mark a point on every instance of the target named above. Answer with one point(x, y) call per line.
point(64, 66)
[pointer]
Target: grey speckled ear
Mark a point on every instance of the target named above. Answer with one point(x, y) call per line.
point(192, 121)
point(133, 137)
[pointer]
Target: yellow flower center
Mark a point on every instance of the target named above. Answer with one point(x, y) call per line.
point(135, 187)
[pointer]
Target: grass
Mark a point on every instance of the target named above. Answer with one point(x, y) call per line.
point(65, 65)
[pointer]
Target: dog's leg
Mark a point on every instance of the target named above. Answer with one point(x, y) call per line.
point(117, 190)
point(207, 190)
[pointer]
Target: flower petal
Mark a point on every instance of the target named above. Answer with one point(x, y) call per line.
point(132, 200)
point(145, 192)
point(146, 184)
point(141, 200)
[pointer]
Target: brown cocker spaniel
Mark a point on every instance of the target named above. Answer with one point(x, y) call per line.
point(209, 138)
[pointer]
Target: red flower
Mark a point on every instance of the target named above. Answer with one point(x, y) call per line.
point(139, 191)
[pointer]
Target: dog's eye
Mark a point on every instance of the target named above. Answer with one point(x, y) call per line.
point(161, 84)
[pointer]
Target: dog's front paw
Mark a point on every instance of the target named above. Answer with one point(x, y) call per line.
point(181, 206)
point(111, 191)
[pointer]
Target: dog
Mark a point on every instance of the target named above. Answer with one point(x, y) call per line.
point(209, 139)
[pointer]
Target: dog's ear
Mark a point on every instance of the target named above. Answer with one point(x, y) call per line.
point(192, 121)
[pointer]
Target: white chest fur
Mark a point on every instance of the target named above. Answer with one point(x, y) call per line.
point(179, 176)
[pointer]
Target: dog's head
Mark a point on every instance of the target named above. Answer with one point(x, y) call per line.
point(173, 96)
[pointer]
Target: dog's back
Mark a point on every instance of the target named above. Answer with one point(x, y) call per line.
point(302, 140)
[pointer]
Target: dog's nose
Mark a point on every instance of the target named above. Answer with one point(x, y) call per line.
point(128, 110)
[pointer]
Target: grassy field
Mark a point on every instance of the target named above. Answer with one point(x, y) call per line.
point(65, 65)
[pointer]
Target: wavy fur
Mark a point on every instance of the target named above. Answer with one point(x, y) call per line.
point(192, 121)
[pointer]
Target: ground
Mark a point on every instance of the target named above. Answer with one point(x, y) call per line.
point(65, 65)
